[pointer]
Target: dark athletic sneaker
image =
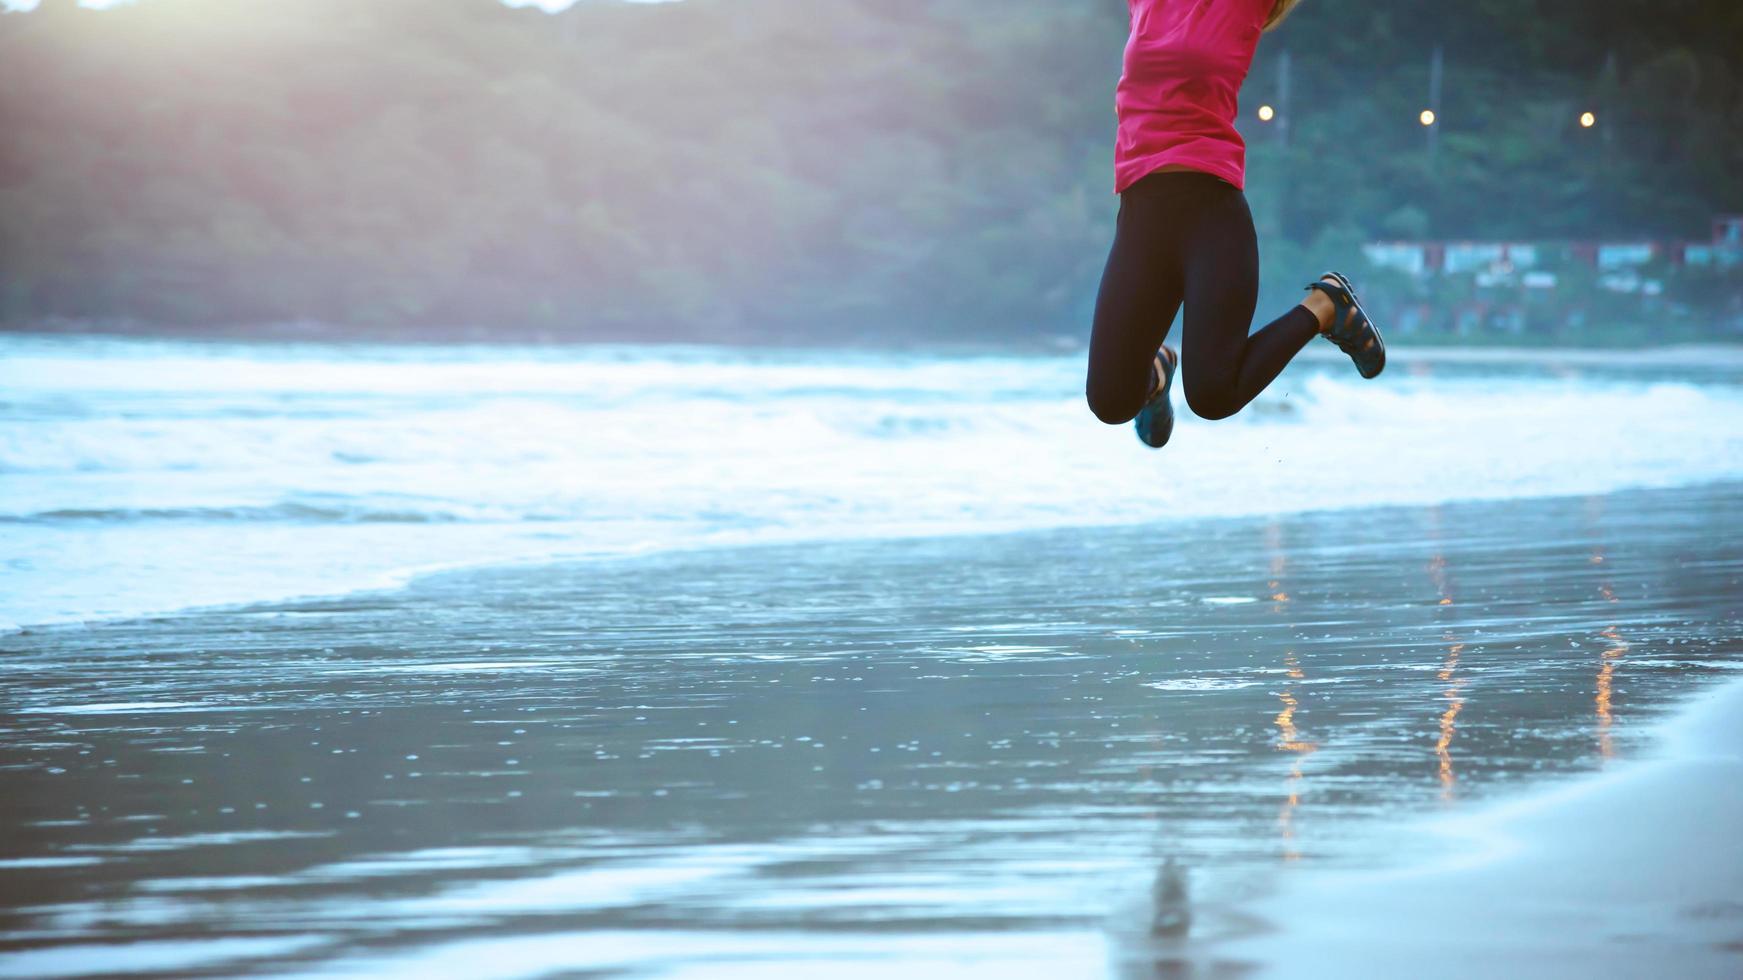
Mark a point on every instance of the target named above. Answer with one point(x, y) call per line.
point(1155, 421)
point(1350, 327)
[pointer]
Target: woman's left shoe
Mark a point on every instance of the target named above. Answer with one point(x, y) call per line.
point(1350, 327)
point(1155, 421)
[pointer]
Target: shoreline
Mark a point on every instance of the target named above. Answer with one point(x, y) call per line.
point(1627, 872)
point(152, 477)
point(827, 755)
point(1685, 353)
point(398, 579)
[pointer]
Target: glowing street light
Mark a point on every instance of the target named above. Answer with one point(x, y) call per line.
point(1266, 113)
point(1588, 120)
point(1427, 117)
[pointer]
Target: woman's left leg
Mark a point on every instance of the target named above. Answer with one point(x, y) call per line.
point(1224, 367)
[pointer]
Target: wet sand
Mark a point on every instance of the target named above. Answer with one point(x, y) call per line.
point(1632, 874)
point(963, 756)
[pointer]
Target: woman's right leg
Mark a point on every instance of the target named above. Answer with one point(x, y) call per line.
point(1140, 292)
point(1225, 366)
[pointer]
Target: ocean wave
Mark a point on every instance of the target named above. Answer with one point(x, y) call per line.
point(292, 512)
point(349, 465)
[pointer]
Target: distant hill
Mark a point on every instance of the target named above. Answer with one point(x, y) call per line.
point(813, 170)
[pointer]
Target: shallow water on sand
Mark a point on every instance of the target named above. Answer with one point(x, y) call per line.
point(961, 755)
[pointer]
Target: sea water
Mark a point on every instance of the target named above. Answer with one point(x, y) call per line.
point(746, 693)
point(139, 476)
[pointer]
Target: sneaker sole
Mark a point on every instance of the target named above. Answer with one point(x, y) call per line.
point(1162, 398)
point(1379, 341)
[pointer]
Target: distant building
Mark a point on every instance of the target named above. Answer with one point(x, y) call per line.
point(1726, 248)
point(1498, 261)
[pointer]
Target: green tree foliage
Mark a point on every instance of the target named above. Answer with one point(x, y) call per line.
point(780, 169)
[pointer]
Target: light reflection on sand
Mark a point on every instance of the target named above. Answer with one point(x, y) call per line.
point(1289, 740)
point(1440, 575)
point(873, 756)
point(1449, 717)
point(1608, 661)
point(1614, 645)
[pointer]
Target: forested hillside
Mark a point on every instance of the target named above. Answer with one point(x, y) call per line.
point(783, 169)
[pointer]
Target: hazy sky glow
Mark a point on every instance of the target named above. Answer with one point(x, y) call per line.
point(547, 4)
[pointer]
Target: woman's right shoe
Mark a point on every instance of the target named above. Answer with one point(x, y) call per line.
point(1350, 327)
point(1155, 421)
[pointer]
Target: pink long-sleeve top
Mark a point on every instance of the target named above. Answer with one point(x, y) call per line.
point(1178, 96)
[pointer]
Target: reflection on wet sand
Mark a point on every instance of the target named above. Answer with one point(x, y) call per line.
point(1288, 736)
point(883, 753)
point(1171, 915)
point(1448, 673)
point(1614, 645)
point(1279, 563)
point(1608, 660)
point(1289, 740)
point(1443, 744)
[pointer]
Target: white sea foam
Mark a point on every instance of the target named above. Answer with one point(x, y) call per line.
point(138, 476)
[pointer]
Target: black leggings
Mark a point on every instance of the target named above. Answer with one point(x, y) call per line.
point(1186, 237)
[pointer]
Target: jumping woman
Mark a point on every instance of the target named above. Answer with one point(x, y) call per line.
point(1185, 235)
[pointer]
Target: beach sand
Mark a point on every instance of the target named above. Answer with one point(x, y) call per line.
point(946, 756)
point(1636, 873)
